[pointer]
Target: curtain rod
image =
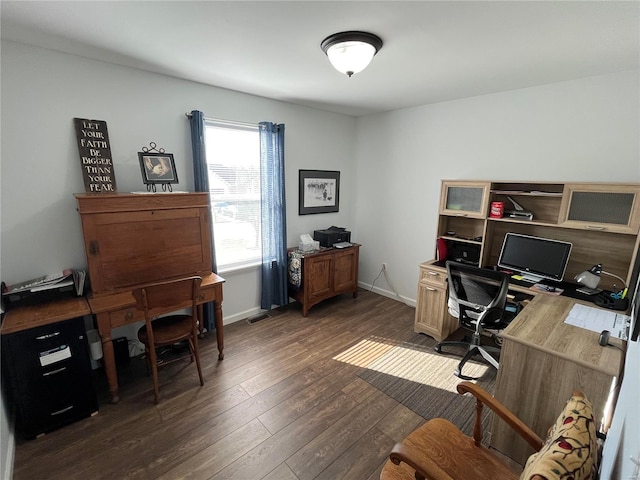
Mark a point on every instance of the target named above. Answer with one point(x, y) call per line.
point(226, 122)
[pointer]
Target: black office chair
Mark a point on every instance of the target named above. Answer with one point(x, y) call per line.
point(480, 297)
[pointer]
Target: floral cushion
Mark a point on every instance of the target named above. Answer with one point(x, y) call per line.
point(570, 450)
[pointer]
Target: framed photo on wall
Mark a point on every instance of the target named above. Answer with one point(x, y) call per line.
point(158, 168)
point(319, 191)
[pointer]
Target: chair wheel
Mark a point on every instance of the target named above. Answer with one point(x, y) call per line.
point(438, 348)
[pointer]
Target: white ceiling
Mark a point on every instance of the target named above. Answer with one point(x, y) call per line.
point(433, 51)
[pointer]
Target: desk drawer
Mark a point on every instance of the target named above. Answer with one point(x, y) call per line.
point(207, 295)
point(433, 276)
point(125, 316)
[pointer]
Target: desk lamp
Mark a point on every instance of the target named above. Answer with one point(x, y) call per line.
point(590, 278)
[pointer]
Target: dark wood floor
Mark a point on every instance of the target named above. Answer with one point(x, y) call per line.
point(278, 407)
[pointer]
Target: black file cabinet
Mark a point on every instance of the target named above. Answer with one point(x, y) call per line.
point(47, 376)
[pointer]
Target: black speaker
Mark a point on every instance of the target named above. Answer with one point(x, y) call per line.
point(121, 350)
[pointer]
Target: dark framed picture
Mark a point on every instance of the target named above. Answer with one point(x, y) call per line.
point(319, 191)
point(158, 168)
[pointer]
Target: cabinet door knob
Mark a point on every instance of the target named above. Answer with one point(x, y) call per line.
point(595, 227)
point(431, 289)
point(200, 297)
point(128, 316)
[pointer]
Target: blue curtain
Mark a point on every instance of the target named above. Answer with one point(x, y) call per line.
point(201, 184)
point(274, 219)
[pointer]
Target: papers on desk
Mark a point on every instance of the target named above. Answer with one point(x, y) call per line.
point(597, 320)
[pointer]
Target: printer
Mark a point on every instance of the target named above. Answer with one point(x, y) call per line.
point(331, 236)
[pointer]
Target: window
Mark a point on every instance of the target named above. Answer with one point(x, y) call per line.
point(233, 158)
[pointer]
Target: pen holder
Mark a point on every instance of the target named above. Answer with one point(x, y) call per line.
point(605, 300)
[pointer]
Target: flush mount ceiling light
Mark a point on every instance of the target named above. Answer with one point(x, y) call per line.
point(351, 52)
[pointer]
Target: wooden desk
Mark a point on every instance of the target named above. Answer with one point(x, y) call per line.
point(131, 240)
point(38, 315)
point(117, 309)
point(542, 361)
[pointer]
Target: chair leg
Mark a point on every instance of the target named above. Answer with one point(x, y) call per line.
point(473, 350)
point(438, 347)
point(487, 357)
point(153, 361)
point(193, 345)
point(148, 359)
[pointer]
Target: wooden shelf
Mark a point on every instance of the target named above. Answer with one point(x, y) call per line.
point(527, 193)
point(460, 239)
point(524, 222)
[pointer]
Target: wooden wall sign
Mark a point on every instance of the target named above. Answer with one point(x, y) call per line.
point(95, 155)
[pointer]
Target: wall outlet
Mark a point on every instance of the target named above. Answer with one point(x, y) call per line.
point(384, 266)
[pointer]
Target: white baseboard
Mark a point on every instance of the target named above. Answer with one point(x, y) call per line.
point(241, 316)
point(410, 302)
point(380, 291)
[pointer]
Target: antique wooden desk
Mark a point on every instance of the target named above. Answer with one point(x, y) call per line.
point(542, 361)
point(119, 309)
point(133, 239)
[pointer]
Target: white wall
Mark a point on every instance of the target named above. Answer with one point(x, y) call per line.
point(42, 91)
point(583, 130)
point(391, 164)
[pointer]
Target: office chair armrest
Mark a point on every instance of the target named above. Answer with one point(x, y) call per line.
point(484, 397)
point(421, 463)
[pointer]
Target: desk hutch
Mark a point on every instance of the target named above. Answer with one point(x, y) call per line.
point(542, 358)
point(601, 220)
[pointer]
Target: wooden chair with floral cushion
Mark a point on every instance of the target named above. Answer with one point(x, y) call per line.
point(438, 450)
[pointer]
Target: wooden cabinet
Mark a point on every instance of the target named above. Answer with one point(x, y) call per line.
point(326, 274)
point(464, 199)
point(601, 208)
point(432, 316)
point(133, 239)
point(602, 221)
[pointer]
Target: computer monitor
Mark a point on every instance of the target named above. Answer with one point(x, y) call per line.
point(534, 258)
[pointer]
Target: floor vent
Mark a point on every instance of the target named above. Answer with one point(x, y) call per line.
point(257, 317)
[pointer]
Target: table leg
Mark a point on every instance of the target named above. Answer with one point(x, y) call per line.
point(109, 361)
point(219, 329)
